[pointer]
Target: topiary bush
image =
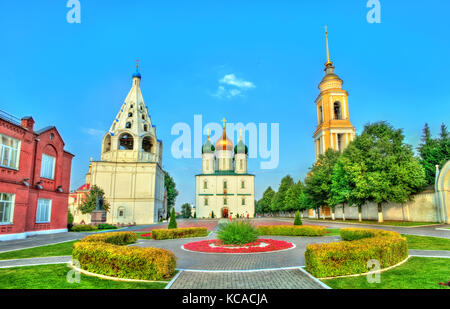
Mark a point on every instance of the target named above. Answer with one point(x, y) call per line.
point(350, 256)
point(292, 230)
point(298, 219)
point(179, 233)
point(106, 226)
point(237, 233)
point(83, 228)
point(105, 254)
point(173, 220)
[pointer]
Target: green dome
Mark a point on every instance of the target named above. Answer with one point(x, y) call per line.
point(241, 148)
point(208, 147)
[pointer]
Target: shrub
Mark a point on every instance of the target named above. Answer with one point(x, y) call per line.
point(350, 256)
point(173, 221)
point(125, 262)
point(297, 220)
point(115, 238)
point(179, 233)
point(237, 233)
point(83, 228)
point(105, 226)
point(292, 230)
point(212, 214)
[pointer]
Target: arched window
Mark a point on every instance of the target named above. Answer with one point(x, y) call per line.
point(205, 185)
point(143, 117)
point(128, 125)
point(206, 201)
point(107, 143)
point(130, 114)
point(145, 128)
point(121, 212)
point(320, 114)
point(337, 110)
point(126, 142)
point(147, 145)
point(242, 184)
point(225, 201)
point(225, 184)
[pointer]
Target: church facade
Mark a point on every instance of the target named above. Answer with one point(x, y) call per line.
point(225, 188)
point(334, 129)
point(130, 170)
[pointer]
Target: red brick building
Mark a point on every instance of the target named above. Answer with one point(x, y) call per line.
point(34, 179)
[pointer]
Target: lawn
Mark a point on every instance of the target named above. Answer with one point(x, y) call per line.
point(55, 277)
point(60, 249)
point(427, 243)
point(417, 273)
point(388, 223)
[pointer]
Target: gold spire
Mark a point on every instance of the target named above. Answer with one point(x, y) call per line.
point(207, 133)
point(240, 134)
point(328, 51)
point(223, 121)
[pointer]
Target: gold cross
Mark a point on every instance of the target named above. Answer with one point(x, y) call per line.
point(224, 120)
point(137, 63)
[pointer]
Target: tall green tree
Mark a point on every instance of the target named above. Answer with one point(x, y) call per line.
point(277, 203)
point(386, 169)
point(186, 210)
point(94, 196)
point(444, 145)
point(263, 205)
point(173, 221)
point(318, 181)
point(429, 151)
point(292, 200)
point(172, 192)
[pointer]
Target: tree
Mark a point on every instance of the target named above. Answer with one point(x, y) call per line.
point(297, 220)
point(186, 210)
point(277, 203)
point(172, 193)
point(384, 168)
point(263, 205)
point(173, 220)
point(292, 200)
point(318, 182)
point(444, 145)
point(429, 151)
point(212, 214)
point(94, 196)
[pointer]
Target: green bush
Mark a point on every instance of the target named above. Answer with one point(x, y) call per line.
point(115, 238)
point(106, 226)
point(179, 233)
point(350, 256)
point(173, 220)
point(237, 233)
point(83, 228)
point(298, 219)
point(292, 230)
point(212, 214)
point(98, 254)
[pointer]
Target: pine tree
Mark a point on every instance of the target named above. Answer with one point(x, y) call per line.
point(173, 220)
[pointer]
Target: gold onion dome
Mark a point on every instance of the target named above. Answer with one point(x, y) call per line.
point(224, 143)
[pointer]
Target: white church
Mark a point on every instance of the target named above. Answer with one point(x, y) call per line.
point(225, 188)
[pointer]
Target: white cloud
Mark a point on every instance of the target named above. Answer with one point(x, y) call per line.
point(94, 132)
point(230, 86)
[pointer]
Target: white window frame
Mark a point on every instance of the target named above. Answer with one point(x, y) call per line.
point(11, 209)
point(10, 150)
point(44, 169)
point(39, 211)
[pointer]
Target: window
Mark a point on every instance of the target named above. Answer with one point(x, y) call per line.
point(9, 151)
point(147, 145)
point(225, 184)
point(48, 166)
point(44, 209)
point(206, 201)
point(6, 208)
point(130, 114)
point(242, 184)
point(205, 185)
point(241, 164)
point(145, 128)
point(225, 201)
point(243, 201)
point(128, 125)
point(321, 114)
point(121, 212)
point(125, 142)
point(337, 110)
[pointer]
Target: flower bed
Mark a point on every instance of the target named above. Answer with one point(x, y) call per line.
point(105, 254)
point(350, 256)
point(216, 246)
point(292, 230)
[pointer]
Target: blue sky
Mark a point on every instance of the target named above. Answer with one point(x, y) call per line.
point(76, 76)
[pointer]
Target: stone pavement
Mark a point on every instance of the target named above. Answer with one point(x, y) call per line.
point(273, 279)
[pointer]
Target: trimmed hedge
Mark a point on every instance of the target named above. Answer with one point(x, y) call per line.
point(291, 230)
point(106, 226)
point(83, 228)
point(179, 233)
point(105, 254)
point(350, 256)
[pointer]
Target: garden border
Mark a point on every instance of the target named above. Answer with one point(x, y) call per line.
point(275, 251)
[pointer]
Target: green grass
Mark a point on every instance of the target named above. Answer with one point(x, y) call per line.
point(417, 273)
point(60, 249)
point(55, 277)
point(427, 243)
point(388, 223)
point(332, 232)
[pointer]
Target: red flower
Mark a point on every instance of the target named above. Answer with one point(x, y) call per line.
point(216, 246)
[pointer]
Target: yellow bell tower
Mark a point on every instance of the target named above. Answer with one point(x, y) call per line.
point(334, 129)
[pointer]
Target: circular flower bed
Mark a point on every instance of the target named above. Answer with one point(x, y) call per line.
point(216, 246)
